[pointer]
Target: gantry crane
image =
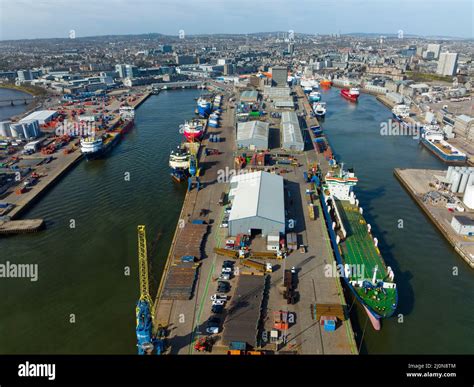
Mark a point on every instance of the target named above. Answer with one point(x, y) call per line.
point(146, 341)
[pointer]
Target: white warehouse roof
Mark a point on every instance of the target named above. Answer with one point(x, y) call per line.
point(252, 130)
point(257, 194)
point(41, 115)
point(291, 131)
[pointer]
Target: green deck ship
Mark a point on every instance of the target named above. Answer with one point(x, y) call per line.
point(356, 250)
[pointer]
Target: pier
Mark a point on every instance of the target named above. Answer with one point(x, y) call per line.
point(20, 226)
point(185, 319)
point(49, 173)
point(416, 183)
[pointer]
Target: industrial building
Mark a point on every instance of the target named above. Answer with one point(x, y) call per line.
point(253, 135)
point(43, 116)
point(447, 64)
point(279, 76)
point(292, 139)
point(249, 96)
point(23, 129)
point(258, 204)
point(463, 225)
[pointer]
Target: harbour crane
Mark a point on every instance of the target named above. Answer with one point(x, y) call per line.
point(147, 342)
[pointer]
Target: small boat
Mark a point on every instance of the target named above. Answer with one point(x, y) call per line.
point(314, 96)
point(325, 83)
point(319, 109)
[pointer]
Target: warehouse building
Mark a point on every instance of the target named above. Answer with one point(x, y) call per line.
point(253, 135)
point(258, 204)
point(249, 96)
point(463, 225)
point(292, 139)
point(43, 116)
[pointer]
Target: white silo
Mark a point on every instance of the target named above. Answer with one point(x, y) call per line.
point(468, 198)
point(16, 130)
point(449, 173)
point(463, 183)
point(456, 179)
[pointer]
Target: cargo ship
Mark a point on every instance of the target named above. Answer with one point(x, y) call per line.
point(194, 130)
point(203, 107)
point(358, 257)
point(94, 147)
point(351, 94)
point(127, 112)
point(433, 139)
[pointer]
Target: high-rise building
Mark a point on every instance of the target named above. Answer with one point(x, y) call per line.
point(291, 48)
point(280, 76)
point(185, 59)
point(435, 49)
point(126, 71)
point(447, 63)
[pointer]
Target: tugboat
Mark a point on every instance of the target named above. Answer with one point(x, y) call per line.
point(351, 94)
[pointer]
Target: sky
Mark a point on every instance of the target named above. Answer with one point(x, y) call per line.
point(29, 19)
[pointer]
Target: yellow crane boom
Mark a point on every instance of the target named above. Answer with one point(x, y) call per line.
point(143, 267)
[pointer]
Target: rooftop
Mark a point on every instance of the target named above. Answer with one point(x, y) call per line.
point(252, 130)
point(257, 194)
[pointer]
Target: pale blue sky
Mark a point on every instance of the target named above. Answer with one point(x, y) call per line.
point(21, 19)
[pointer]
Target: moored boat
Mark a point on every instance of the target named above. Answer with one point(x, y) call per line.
point(319, 109)
point(203, 107)
point(314, 96)
point(351, 94)
point(357, 254)
point(194, 130)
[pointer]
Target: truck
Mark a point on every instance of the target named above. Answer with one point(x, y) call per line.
point(261, 266)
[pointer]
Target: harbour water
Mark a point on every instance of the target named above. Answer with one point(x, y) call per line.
point(7, 111)
point(82, 270)
point(435, 306)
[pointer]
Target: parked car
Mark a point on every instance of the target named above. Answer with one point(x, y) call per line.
point(223, 287)
point(213, 325)
point(217, 296)
point(224, 225)
point(226, 270)
point(218, 302)
point(228, 264)
point(224, 276)
point(227, 210)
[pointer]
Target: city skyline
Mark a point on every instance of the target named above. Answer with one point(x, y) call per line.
point(119, 17)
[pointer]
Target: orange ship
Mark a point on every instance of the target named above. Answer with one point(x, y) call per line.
point(325, 83)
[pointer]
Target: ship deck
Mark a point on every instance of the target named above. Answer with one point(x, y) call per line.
point(359, 248)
